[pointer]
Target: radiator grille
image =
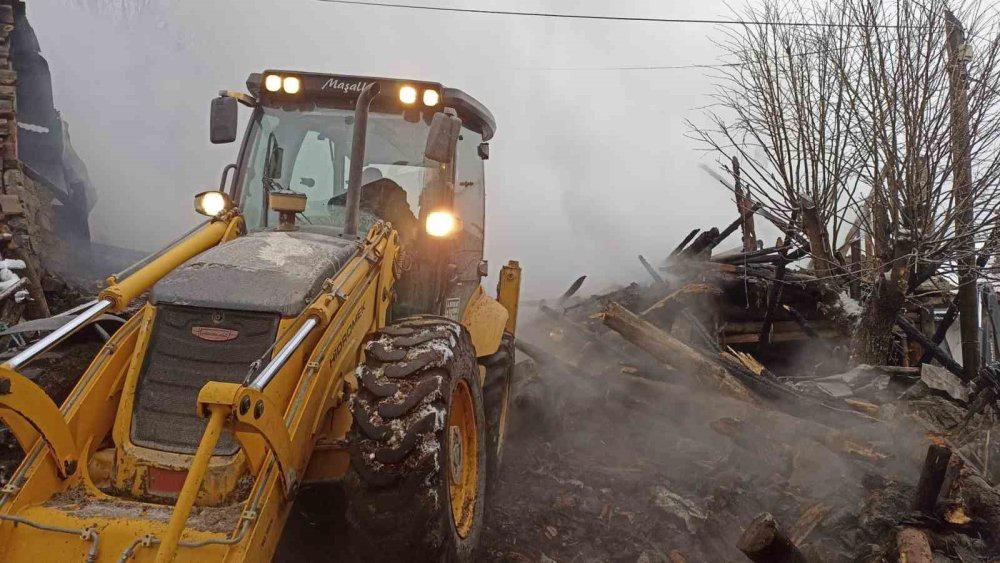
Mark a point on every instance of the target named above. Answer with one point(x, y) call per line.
point(179, 362)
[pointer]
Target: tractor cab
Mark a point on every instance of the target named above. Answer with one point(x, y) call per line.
point(421, 170)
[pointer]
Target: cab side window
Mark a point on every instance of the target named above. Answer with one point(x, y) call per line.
point(469, 204)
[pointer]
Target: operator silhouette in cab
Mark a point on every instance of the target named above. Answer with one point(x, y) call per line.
point(385, 199)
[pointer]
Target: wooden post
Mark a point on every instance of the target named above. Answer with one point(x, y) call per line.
point(931, 478)
point(962, 179)
point(743, 204)
point(763, 542)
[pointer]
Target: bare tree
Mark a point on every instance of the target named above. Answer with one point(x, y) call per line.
point(851, 114)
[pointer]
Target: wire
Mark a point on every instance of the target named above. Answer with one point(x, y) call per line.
point(667, 67)
point(689, 66)
point(617, 18)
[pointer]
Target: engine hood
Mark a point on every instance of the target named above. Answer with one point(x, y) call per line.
point(274, 272)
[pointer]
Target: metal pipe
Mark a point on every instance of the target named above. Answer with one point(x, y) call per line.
point(60, 334)
point(76, 309)
point(272, 368)
point(86, 534)
point(195, 476)
point(225, 174)
point(357, 158)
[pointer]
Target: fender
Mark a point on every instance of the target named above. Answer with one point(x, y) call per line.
point(486, 319)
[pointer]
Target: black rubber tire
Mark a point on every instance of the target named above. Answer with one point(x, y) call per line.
point(496, 400)
point(399, 505)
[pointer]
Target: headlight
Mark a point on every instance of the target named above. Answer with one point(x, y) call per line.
point(212, 204)
point(272, 83)
point(291, 85)
point(407, 94)
point(441, 223)
point(431, 98)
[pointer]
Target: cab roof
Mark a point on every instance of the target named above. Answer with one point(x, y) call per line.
point(472, 112)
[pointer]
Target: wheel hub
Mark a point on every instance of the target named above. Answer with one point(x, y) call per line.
point(463, 450)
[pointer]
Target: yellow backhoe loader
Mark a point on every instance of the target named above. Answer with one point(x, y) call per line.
point(326, 324)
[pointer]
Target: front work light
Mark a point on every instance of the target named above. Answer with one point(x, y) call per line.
point(407, 94)
point(441, 224)
point(291, 85)
point(212, 204)
point(431, 98)
point(272, 83)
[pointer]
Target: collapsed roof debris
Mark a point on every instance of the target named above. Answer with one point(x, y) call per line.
point(715, 409)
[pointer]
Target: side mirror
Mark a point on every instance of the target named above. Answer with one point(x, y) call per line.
point(443, 137)
point(224, 120)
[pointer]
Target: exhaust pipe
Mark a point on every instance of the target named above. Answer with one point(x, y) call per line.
point(357, 158)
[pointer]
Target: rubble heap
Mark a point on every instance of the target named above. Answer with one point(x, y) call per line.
point(715, 410)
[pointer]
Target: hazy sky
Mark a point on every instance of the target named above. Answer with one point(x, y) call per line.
point(588, 167)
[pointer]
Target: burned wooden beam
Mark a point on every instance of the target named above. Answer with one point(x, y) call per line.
point(765, 273)
point(931, 478)
point(773, 300)
point(913, 546)
point(734, 225)
point(743, 204)
point(581, 332)
point(784, 227)
point(667, 308)
point(937, 353)
point(701, 244)
point(684, 243)
point(983, 501)
point(649, 269)
point(573, 288)
point(743, 256)
point(801, 321)
point(718, 372)
point(763, 542)
point(626, 293)
point(673, 352)
point(543, 357)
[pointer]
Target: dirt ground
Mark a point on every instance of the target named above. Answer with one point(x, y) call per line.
point(637, 471)
point(627, 470)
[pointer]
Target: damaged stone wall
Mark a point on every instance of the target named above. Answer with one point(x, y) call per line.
point(18, 231)
point(45, 193)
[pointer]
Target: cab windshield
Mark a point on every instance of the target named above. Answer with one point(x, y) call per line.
point(308, 151)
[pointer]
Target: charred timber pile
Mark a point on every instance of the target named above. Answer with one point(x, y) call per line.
point(753, 327)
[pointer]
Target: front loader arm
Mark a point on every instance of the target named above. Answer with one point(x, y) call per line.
point(28, 410)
